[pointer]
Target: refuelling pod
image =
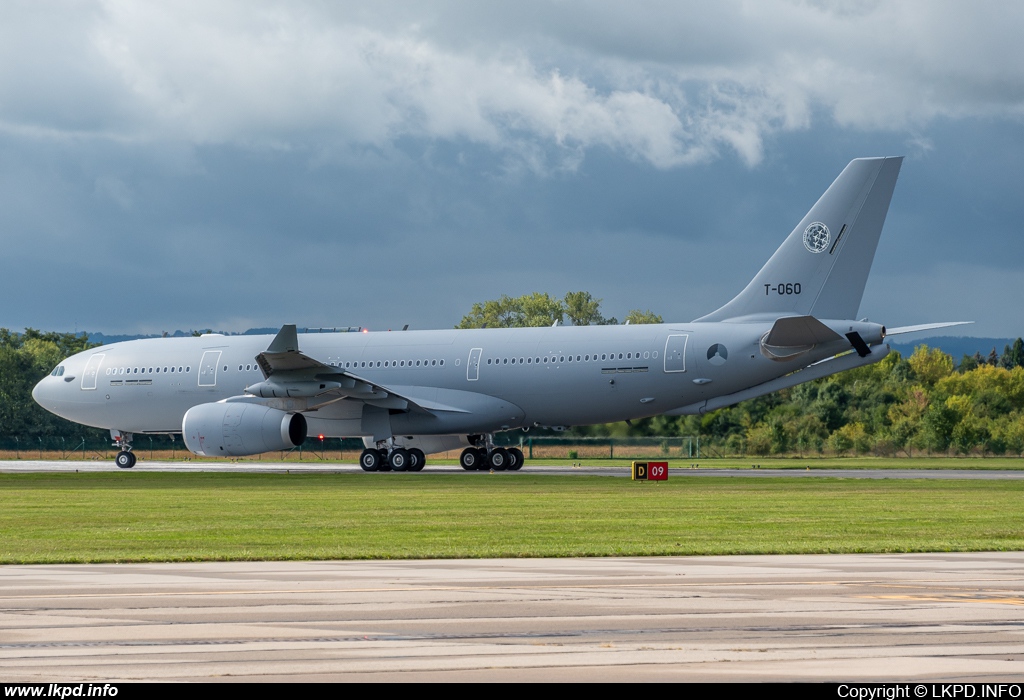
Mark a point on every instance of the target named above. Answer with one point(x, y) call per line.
point(237, 429)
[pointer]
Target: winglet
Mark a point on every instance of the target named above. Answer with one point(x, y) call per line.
point(287, 340)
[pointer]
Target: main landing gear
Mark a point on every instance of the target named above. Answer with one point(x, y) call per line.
point(388, 458)
point(125, 458)
point(490, 457)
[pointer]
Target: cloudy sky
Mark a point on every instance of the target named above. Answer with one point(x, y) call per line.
point(238, 164)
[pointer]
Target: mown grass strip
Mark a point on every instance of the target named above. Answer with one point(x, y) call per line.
point(126, 516)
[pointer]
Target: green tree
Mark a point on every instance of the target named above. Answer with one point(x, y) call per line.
point(541, 309)
point(514, 312)
point(931, 364)
point(636, 316)
point(583, 309)
point(967, 363)
point(1013, 356)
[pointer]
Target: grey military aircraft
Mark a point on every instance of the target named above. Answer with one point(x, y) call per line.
point(413, 393)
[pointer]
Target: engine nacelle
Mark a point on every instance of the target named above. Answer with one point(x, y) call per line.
point(237, 429)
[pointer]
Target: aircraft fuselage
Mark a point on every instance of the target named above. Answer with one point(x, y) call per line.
point(491, 379)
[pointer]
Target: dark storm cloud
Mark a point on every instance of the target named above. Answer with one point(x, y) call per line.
point(181, 165)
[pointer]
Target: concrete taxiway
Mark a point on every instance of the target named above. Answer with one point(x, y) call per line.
point(912, 617)
point(15, 466)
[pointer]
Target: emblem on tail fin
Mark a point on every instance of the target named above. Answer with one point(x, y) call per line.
point(816, 237)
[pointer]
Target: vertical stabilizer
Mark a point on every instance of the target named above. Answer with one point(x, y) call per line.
point(821, 269)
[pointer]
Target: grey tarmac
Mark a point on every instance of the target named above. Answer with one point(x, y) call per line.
point(28, 466)
point(904, 617)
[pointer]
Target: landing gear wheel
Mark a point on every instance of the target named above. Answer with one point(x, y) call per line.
point(385, 465)
point(417, 460)
point(515, 459)
point(498, 459)
point(124, 460)
point(399, 460)
point(370, 460)
point(471, 459)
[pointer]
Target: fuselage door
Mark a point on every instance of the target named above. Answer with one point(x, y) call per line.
point(92, 371)
point(675, 353)
point(473, 366)
point(208, 368)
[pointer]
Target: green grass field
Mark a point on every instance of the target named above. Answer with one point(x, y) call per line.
point(128, 516)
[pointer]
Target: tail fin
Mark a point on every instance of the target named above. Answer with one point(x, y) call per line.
point(822, 267)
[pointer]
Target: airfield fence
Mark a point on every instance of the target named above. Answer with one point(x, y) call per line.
point(348, 449)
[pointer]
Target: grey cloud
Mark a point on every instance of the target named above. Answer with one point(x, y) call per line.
point(665, 83)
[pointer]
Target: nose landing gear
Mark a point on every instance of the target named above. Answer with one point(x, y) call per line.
point(125, 458)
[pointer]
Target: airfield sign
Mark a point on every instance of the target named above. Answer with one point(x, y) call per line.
point(650, 471)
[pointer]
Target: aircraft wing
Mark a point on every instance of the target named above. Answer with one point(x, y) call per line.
point(288, 373)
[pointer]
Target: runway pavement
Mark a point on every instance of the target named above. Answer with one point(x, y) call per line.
point(912, 617)
point(14, 466)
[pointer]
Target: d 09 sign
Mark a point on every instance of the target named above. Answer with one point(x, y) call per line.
point(650, 471)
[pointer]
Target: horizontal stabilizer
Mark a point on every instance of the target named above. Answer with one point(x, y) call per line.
point(800, 331)
point(924, 327)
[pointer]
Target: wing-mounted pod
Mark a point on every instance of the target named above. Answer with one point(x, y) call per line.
point(238, 428)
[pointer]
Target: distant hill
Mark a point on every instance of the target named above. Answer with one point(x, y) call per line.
point(957, 346)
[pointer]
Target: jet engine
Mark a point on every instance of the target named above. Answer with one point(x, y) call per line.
point(237, 429)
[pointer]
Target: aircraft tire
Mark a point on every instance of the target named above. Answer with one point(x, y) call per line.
point(515, 459)
point(370, 460)
point(497, 459)
point(124, 460)
point(417, 460)
point(399, 460)
point(470, 459)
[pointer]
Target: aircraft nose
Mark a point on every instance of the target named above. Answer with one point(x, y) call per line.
point(39, 393)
